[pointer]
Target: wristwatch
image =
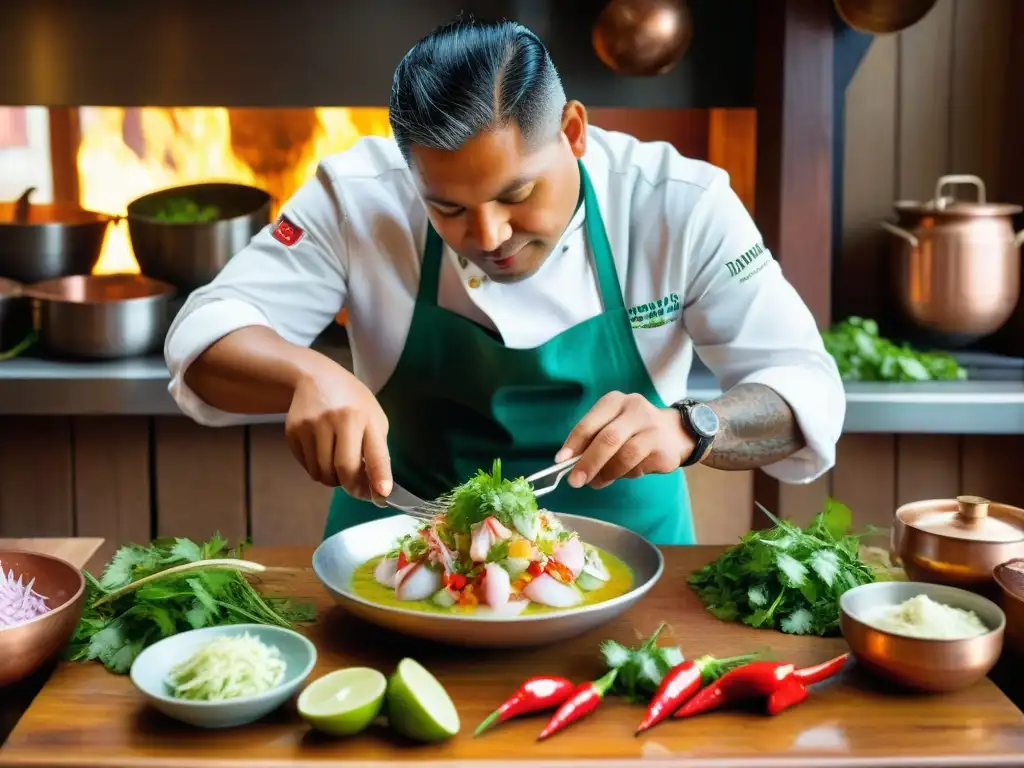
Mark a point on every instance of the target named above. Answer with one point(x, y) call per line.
point(701, 421)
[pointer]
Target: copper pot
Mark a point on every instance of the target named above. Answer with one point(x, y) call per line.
point(957, 542)
point(956, 264)
point(881, 17)
point(642, 37)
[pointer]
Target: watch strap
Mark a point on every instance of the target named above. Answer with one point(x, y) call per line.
point(702, 442)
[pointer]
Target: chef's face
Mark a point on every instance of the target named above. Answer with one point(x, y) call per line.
point(500, 203)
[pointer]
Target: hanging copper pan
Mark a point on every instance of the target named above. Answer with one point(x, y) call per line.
point(882, 17)
point(642, 37)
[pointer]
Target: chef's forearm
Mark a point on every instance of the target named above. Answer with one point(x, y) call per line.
point(253, 371)
point(756, 428)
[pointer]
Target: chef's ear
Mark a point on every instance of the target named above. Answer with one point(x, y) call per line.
point(574, 126)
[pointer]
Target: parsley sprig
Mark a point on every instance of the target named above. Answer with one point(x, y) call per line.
point(116, 631)
point(788, 578)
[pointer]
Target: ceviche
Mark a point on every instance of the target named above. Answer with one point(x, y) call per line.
point(494, 550)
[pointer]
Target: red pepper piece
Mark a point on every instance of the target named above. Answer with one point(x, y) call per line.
point(790, 693)
point(815, 674)
point(535, 694)
point(535, 569)
point(682, 682)
point(402, 561)
point(759, 678)
point(457, 581)
point(582, 702)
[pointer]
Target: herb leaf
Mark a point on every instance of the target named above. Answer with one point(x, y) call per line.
point(115, 632)
point(786, 577)
point(862, 355)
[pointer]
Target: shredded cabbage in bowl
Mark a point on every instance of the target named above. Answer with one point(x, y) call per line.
point(227, 667)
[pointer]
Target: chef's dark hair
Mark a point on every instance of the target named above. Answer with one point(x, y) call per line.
point(469, 76)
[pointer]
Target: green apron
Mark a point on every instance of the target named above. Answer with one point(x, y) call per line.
point(459, 398)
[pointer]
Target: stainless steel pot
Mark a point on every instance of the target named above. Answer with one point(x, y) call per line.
point(956, 264)
point(41, 242)
point(101, 316)
point(185, 235)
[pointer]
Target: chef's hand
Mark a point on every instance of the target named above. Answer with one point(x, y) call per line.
point(625, 436)
point(337, 430)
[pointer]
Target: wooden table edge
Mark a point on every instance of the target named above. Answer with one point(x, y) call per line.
point(810, 761)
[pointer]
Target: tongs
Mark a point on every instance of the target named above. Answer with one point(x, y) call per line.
point(412, 505)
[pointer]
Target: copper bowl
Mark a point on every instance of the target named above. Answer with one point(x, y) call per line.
point(970, 537)
point(1010, 578)
point(920, 664)
point(24, 648)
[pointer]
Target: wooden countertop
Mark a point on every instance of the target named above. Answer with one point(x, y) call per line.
point(87, 717)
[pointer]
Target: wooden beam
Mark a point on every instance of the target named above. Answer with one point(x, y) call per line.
point(65, 136)
point(794, 143)
point(794, 99)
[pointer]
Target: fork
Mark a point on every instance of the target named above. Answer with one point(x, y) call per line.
point(412, 505)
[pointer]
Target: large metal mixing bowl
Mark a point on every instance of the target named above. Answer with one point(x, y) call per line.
point(189, 254)
point(337, 558)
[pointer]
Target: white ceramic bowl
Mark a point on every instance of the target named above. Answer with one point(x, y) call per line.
point(151, 667)
point(338, 557)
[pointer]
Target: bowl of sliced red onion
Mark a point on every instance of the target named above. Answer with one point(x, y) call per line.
point(41, 601)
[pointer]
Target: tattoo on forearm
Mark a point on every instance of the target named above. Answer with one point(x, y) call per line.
point(757, 427)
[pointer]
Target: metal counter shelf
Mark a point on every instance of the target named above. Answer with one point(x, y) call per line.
point(35, 386)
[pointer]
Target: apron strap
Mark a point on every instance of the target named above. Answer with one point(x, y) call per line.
point(600, 248)
point(597, 240)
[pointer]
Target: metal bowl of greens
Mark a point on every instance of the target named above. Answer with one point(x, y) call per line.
point(451, 598)
point(184, 235)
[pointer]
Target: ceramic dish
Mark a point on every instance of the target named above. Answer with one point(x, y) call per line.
point(150, 669)
point(338, 557)
point(918, 663)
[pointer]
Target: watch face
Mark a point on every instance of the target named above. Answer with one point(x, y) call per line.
point(704, 419)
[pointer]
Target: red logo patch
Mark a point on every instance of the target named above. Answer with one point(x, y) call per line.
point(287, 233)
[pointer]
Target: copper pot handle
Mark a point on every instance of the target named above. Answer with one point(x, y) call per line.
point(901, 233)
point(940, 201)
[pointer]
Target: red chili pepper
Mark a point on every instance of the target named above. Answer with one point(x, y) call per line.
point(759, 678)
point(791, 692)
point(535, 569)
point(815, 674)
point(535, 694)
point(682, 682)
point(582, 702)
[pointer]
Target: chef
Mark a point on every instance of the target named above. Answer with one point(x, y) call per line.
point(519, 285)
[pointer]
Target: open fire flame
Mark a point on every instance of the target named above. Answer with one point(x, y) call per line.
point(125, 154)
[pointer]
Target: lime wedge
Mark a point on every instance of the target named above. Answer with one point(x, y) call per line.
point(418, 706)
point(343, 702)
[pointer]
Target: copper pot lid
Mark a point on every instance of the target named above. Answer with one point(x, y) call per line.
point(948, 205)
point(974, 519)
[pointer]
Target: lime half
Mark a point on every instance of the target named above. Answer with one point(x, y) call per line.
point(343, 702)
point(418, 705)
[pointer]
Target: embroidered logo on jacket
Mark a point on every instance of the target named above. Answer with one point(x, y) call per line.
point(287, 232)
point(656, 313)
point(742, 264)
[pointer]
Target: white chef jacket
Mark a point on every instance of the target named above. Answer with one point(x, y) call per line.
point(693, 269)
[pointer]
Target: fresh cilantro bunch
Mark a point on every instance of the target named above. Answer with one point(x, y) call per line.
point(787, 578)
point(115, 632)
point(862, 355)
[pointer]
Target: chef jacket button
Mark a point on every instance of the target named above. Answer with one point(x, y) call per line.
point(474, 282)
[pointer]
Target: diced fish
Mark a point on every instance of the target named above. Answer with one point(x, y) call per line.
point(385, 571)
point(547, 590)
point(595, 566)
point(570, 554)
point(485, 535)
point(497, 585)
point(416, 582)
